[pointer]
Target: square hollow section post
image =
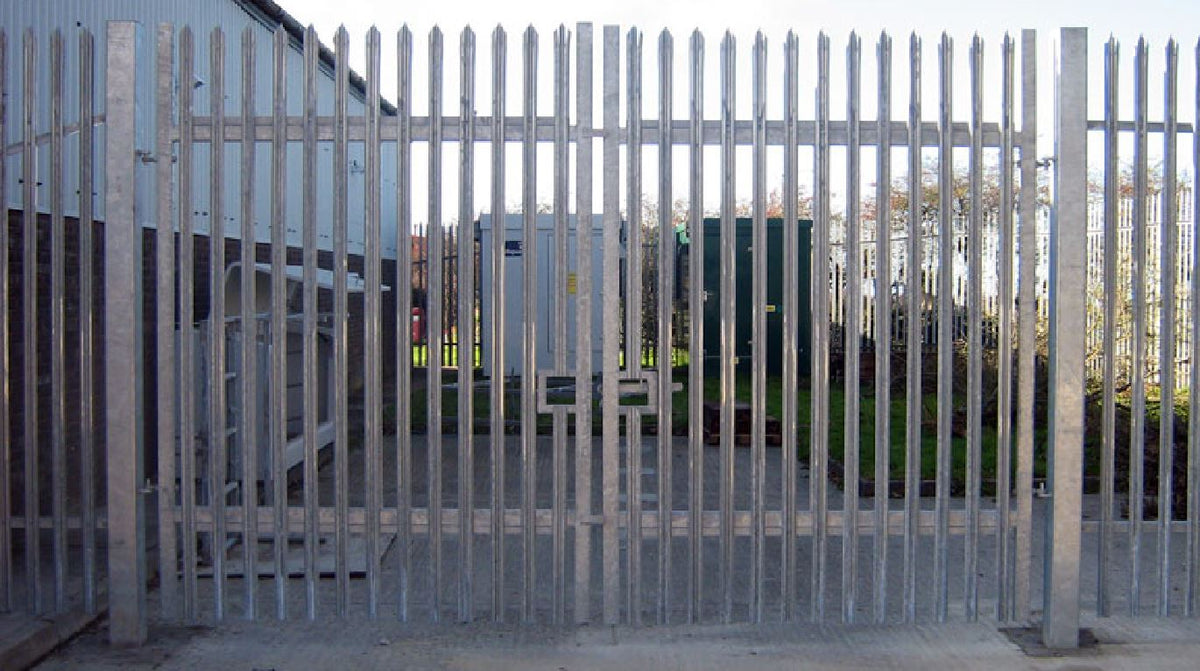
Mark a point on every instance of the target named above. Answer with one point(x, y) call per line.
point(1068, 279)
point(123, 402)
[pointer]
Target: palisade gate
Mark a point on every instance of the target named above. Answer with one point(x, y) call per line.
point(303, 467)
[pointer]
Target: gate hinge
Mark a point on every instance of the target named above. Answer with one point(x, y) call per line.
point(151, 487)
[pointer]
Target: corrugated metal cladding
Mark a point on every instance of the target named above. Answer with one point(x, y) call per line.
point(41, 19)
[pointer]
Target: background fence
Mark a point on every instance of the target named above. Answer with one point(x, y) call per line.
point(896, 287)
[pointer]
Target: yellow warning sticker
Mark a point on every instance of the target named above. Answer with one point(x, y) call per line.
point(572, 283)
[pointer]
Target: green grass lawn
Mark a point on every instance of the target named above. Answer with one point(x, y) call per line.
point(774, 406)
point(896, 445)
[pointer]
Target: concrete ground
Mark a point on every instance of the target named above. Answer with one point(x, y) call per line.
point(421, 592)
point(420, 597)
point(348, 645)
point(355, 642)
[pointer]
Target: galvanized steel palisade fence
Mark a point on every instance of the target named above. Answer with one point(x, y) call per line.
point(1155, 285)
point(425, 533)
point(403, 509)
point(48, 473)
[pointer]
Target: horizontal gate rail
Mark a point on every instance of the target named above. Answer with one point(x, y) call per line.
point(482, 129)
point(450, 521)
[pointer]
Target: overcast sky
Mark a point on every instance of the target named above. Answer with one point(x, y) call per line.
point(1156, 20)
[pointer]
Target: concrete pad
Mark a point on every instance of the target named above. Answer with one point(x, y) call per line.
point(25, 639)
point(1149, 643)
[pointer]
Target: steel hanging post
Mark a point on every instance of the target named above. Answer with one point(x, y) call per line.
point(1068, 311)
point(123, 346)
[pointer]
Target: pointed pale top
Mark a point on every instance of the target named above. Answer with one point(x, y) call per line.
point(341, 41)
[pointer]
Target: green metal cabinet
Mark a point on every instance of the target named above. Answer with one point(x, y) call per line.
point(743, 268)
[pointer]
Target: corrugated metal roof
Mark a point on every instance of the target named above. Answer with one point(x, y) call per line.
point(278, 16)
point(44, 19)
